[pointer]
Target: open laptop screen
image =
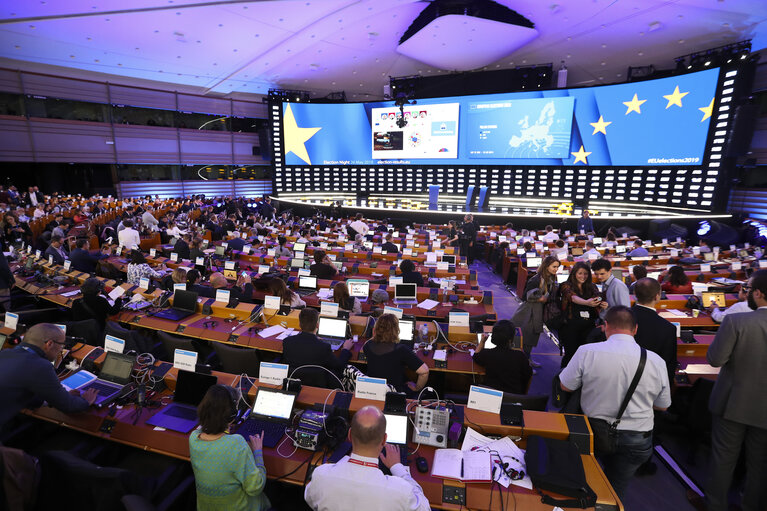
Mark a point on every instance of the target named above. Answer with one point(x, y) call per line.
point(358, 288)
point(185, 300)
point(405, 291)
point(273, 403)
point(331, 327)
point(117, 367)
point(191, 387)
point(299, 247)
point(449, 259)
point(396, 429)
point(405, 330)
point(307, 282)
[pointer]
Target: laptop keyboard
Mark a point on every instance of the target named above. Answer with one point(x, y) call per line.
point(102, 388)
point(181, 413)
point(334, 343)
point(306, 292)
point(273, 431)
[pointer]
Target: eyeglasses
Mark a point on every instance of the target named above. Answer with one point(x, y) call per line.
point(745, 287)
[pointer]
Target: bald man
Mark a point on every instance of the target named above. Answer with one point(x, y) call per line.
point(28, 377)
point(356, 482)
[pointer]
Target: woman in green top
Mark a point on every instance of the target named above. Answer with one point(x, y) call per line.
point(229, 472)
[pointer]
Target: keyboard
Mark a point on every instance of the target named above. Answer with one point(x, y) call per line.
point(102, 388)
point(334, 343)
point(402, 459)
point(182, 413)
point(306, 292)
point(273, 431)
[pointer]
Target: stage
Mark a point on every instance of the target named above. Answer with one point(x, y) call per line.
point(499, 209)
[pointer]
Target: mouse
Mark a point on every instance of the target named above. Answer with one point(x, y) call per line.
point(421, 464)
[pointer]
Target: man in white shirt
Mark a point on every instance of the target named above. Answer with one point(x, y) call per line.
point(359, 226)
point(604, 371)
point(129, 236)
point(550, 236)
point(356, 482)
point(149, 220)
point(591, 252)
point(718, 314)
point(39, 211)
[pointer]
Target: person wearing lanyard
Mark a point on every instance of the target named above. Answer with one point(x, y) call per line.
point(355, 482)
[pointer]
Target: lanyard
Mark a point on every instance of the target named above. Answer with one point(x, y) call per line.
point(363, 463)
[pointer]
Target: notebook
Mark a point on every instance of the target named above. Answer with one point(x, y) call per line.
point(181, 415)
point(359, 289)
point(271, 414)
point(184, 305)
point(332, 331)
point(405, 293)
point(114, 376)
point(467, 466)
point(307, 285)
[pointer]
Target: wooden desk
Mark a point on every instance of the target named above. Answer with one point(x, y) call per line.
point(176, 445)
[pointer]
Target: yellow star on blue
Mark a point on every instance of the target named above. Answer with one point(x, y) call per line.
point(295, 137)
point(675, 98)
point(581, 155)
point(634, 104)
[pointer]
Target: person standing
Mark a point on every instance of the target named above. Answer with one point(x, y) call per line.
point(654, 333)
point(604, 371)
point(614, 290)
point(580, 301)
point(540, 290)
point(468, 237)
point(356, 479)
point(737, 405)
point(585, 224)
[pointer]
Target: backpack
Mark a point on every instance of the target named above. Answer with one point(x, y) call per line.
point(556, 466)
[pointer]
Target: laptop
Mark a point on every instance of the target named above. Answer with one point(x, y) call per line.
point(708, 256)
point(406, 329)
point(181, 415)
point(405, 294)
point(359, 289)
point(307, 284)
point(271, 414)
point(332, 331)
point(533, 262)
point(184, 305)
point(713, 297)
point(114, 376)
point(220, 250)
point(299, 247)
point(296, 263)
point(449, 259)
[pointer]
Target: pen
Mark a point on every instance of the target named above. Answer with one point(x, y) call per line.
point(461, 469)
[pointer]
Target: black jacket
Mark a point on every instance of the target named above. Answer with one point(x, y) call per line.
point(656, 334)
point(413, 277)
point(84, 261)
point(182, 249)
point(322, 271)
point(306, 349)
point(390, 248)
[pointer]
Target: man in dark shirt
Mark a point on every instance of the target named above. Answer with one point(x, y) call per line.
point(389, 247)
point(654, 333)
point(6, 282)
point(322, 268)
point(468, 237)
point(306, 349)
point(192, 278)
point(409, 274)
point(585, 224)
point(182, 247)
point(56, 251)
point(506, 369)
point(83, 260)
point(27, 377)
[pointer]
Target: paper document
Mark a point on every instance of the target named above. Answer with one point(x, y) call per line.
point(700, 369)
point(428, 304)
point(271, 331)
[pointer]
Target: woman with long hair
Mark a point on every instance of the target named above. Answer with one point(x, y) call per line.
point(540, 289)
point(344, 300)
point(580, 307)
point(277, 287)
point(676, 281)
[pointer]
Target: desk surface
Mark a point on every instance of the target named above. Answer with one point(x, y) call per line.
point(131, 429)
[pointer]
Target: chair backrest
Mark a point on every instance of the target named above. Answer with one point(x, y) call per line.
point(171, 343)
point(236, 360)
point(536, 402)
point(88, 329)
point(134, 341)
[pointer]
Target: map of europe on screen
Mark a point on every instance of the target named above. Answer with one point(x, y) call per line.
point(649, 123)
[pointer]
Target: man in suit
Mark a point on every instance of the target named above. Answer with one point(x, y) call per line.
point(388, 246)
point(192, 278)
point(654, 333)
point(737, 404)
point(56, 251)
point(83, 260)
point(306, 349)
point(182, 246)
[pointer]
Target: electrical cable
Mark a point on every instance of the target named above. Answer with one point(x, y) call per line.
point(340, 383)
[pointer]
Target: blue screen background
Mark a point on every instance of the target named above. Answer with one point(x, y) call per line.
point(662, 134)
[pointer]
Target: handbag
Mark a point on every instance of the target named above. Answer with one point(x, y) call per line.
point(552, 315)
point(606, 433)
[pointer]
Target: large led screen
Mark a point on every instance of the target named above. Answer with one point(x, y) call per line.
point(650, 123)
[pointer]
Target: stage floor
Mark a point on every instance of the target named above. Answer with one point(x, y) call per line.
point(507, 207)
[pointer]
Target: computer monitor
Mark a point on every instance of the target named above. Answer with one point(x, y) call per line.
point(449, 259)
point(405, 291)
point(307, 282)
point(533, 262)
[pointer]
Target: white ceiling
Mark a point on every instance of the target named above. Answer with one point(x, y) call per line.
point(332, 45)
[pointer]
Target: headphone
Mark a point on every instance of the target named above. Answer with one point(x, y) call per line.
point(233, 402)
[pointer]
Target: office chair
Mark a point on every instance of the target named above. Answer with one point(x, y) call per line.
point(170, 343)
point(237, 360)
point(134, 341)
point(88, 329)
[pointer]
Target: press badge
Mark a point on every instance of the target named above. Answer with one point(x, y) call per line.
point(585, 314)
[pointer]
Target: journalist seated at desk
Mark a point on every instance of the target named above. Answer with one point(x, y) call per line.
point(83, 260)
point(28, 377)
point(356, 483)
point(323, 267)
point(93, 305)
point(277, 287)
point(409, 273)
point(306, 348)
point(242, 290)
point(229, 471)
point(389, 359)
point(344, 300)
point(193, 277)
point(506, 369)
point(139, 268)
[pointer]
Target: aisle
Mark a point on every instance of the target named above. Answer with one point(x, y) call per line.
point(660, 491)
